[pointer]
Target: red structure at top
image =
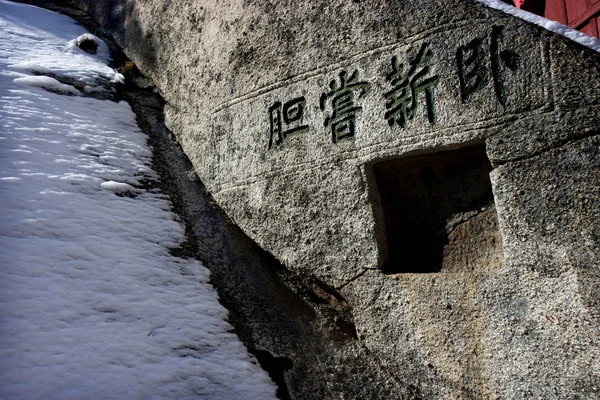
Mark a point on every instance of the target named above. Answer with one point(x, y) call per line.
point(583, 15)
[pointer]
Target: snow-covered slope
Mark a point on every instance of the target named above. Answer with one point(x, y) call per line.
point(92, 304)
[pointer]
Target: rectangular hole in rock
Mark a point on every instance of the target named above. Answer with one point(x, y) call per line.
point(438, 211)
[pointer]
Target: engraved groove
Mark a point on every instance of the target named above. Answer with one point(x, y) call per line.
point(341, 64)
point(371, 151)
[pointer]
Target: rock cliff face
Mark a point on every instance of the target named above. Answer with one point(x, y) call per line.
point(431, 168)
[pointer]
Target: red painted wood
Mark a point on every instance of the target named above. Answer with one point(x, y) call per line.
point(592, 11)
point(579, 14)
point(556, 10)
point(591, 28)
point(533, 6)
point(575, 9)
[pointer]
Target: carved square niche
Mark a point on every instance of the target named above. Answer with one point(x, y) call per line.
point(437, 212)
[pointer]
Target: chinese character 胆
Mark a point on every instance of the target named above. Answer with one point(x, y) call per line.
point(292, 112)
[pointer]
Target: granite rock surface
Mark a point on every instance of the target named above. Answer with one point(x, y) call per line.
point(432, 165)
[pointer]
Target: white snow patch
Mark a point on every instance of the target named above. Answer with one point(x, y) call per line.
point(102, 51)
point(45, 82)
point(31, 67)
point(82, 38)
point(40, 46)
point(94, 89)
point(92, 304)
point(118, 187)
point(118, 78)
point(553, 26)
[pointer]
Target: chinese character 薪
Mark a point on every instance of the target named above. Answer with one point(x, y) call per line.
point(472, 70)
point(292, 112)
point(402, 100)
point(343, 117)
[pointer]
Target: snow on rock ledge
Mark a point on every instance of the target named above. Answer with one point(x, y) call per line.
point(92, 303)
point(119, 188)
point(47, 83)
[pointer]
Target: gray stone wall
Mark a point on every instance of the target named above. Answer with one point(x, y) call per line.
point(436, 163)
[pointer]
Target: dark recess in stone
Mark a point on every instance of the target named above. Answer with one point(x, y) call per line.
point(275, 367)
point(420, 194)
point(89, 46)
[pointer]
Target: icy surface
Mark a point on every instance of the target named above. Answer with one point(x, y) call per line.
point(47, 83)
point(552, 26)
point(92, 304)
point(119, 188)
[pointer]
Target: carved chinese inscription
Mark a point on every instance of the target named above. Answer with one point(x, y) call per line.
point(342, 98)
point(501, 59)
point(289, 116)
point(403, 99)
point(472, 69)
point(411, 86)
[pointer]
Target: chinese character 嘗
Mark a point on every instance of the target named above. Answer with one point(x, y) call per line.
point(343, 117)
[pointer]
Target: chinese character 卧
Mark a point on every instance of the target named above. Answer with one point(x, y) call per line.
point(472, 70)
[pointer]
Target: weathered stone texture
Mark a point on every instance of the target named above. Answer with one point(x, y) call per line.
point(254, 97)
point(525, 329)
